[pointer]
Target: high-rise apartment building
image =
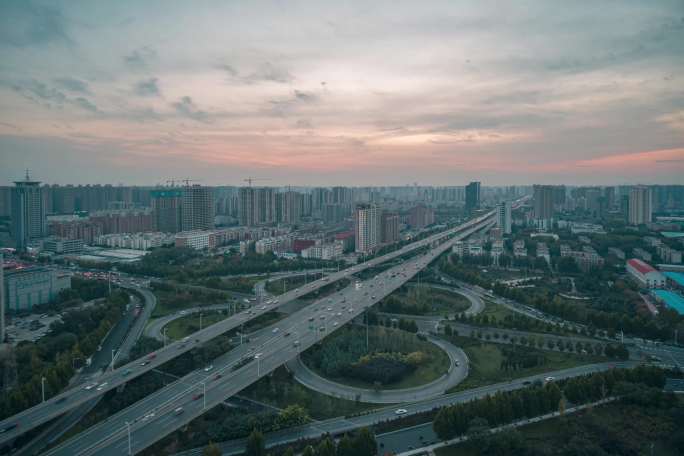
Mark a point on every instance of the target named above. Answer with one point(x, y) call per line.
point(29, 218)
point(289, 207)
point(503, 217)
point(640, 205)
point(390, 227)
point(167, 208)
point(367, 224)
point(543, 205)
point(198, 208)
point(472, 196)
point(257, 206)
point(421, 216)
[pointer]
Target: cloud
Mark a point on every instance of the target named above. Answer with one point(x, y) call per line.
point(84, 104)
point(304, 124)
point(72, 84)
point(140, 58)
point(306, 97)
point(23, 23)
point(232, 72)
point(147, 87)
point(187, 108)
point(38, 91)
point(269, 73)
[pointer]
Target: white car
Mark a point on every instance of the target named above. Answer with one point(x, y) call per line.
point(549, 379)
point(91, 386)
point(101, 387)
point(275, 330)
point(208, 368)
point(400, 411)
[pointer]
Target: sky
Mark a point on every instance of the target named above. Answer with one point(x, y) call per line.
point(342, 93)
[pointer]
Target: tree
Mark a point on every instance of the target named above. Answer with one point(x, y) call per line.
point(292, 415)
point(308, 451)
point(289, 452)
point(211, 450)
point(256, 445)
point(345, 447)
point(326, 447)
point(364, 443)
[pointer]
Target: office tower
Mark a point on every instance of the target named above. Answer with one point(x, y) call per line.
point(543, 206)
point(503, 217)
point(198, 208)
point(559, 192)
point(29, 218)
point(472, 196)
point(167, 209)
point(609, 196)
point(390, 227)
point(640, 205)
point(594, 202)
point(5, 201)
point(367, 224)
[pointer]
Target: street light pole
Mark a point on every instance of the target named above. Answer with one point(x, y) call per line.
point(42, 386)
point(164, 336)
point(113, 352)
point(200, 321)
point(204, 395)
point(128, 428)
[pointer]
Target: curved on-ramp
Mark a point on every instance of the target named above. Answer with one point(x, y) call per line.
point(457, 372)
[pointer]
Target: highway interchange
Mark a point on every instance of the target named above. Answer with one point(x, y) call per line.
point(59, 404)
point(201, 390)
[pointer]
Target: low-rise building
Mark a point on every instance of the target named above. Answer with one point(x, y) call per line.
point(669, 255)
point(28, 287)
point(136, 241)
point(198, 239)
point(619, 253)
point(644, 274)
point(62, 246)
point(519, 249)
point(642, 254)
point(543, 251)
point(329, 251)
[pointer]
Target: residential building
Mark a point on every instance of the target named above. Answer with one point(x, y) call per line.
point(25, 288)
point(458, 248)
point(124, 220)
point(472, 196)
point(543, 251)
point(669, 255)
point(640, 205)
point(641, 253)
point(503, 217)
point(390, 227)
point(29, 217)
point(136, 241)
point(167, 209)
point(367, 224)
point(197, 208)
point(644, 274)
point(79, 228)
point(328, 251)
point(421, 216)
point(543, 198)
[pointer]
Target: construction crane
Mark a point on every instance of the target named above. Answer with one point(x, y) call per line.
point(249, 180)
point(186, 180)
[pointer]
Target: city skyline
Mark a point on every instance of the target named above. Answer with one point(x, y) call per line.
point(322, 94)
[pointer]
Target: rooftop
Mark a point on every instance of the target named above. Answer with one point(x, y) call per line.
point(671, 300)
point(641, 266)
point(677, 277)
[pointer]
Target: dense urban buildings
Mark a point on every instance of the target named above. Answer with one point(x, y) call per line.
point(167, 204)
point(28, 287)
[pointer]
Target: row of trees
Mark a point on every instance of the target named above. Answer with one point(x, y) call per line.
point(360, 443)
point(505, 407)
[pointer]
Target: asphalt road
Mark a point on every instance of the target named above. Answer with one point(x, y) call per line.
point(457, 371)
point(59, 404)
point(147, 424)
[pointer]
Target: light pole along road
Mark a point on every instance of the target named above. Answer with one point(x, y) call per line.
point(175, 407)
point(59, 404)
